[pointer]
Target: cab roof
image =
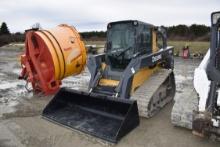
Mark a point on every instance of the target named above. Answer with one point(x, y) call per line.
point(131, 21)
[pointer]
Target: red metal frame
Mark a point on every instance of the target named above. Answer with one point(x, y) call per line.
point(37, 65)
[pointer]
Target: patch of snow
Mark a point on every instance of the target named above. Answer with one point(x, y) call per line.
point(17, 71)
point(8, 85)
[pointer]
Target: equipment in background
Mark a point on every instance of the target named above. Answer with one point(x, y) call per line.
point(94, 49)
point(185, 52)
point(50, 56)
point(135, 72)
point(199, 109)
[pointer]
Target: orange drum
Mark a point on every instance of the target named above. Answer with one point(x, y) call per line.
point(50, 56)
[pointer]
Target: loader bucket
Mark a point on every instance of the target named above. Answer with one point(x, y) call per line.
point(101, 116)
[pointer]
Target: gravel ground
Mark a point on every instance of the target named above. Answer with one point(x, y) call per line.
point(21, 124)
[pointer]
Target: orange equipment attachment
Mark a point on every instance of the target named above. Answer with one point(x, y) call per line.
point(50, 56)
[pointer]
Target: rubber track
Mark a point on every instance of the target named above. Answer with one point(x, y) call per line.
point(146, 93)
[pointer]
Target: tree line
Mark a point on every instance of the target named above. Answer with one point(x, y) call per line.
point(6, 37)
point(193, 32)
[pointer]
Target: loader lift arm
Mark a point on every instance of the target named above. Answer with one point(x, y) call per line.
point(123, 89)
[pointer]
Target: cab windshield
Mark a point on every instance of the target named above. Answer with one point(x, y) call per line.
point(121, 40)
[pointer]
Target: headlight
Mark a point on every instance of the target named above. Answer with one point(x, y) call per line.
point(215, 17)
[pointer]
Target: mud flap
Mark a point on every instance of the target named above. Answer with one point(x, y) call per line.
point(101, 116)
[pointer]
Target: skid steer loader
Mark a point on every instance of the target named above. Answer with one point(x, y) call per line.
point(199, 109)
point(135, 73)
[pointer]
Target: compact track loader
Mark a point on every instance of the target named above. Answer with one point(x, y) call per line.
point(199, 109)
point(135, 73)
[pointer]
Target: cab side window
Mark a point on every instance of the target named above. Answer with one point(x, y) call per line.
point(144, 41)
point(147, 39)
point(159, 41)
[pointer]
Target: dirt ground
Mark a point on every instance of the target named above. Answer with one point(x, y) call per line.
point(21, 124)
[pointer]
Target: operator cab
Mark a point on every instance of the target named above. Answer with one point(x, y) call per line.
point(127, 40)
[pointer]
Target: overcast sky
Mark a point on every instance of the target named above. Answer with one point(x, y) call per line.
point(87, 15)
